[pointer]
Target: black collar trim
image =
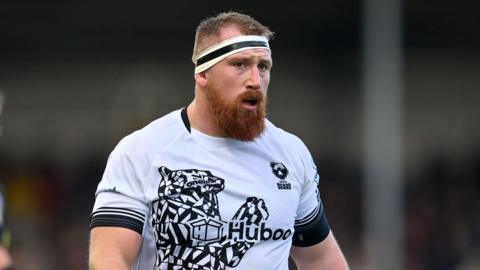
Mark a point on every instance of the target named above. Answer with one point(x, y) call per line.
point(186, 122)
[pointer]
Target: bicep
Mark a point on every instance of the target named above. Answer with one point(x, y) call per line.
point(312, 253)
point(116, 223)
point(113, 248)
point(324, 255)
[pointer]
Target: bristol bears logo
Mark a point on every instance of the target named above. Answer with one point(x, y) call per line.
point(189, 231)
point(280, 171)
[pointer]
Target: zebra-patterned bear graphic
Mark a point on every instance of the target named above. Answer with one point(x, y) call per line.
point(189, 231)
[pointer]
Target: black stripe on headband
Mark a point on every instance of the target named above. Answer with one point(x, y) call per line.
point(229, 48)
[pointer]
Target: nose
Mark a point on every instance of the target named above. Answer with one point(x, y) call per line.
point(254, 79)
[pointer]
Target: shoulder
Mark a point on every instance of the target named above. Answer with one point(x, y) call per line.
point(154, 136)
point(287, 148)
point(284, 139)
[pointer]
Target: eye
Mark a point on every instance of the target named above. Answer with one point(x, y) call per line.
point(263, 67)
point(238, 64)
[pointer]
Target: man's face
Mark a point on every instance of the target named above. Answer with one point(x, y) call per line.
point(236, 91)
point(236, 119)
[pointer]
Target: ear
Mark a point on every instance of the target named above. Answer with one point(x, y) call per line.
point(201, 78)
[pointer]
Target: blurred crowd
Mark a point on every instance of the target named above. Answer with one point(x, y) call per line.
point(48, 208)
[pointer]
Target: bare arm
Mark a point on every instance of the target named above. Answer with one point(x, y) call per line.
point(5, 258)
point(113, 248)
point(324, 255)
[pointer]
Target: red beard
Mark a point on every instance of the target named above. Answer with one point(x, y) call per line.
point(235, 121)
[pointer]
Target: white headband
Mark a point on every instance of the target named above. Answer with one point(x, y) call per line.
point(222, 50)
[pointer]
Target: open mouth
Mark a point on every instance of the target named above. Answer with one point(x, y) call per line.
point(250, 101)
point(250, 104)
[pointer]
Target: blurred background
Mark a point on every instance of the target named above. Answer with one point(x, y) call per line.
point(77, 76)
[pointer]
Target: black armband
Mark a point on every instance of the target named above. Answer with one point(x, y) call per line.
point(117, 217)
point(311, 230)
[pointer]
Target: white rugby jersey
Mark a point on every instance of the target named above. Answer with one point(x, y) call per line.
point(203, 202)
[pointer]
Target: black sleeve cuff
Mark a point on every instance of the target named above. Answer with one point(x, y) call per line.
point(117, 217)
point(313, 230)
